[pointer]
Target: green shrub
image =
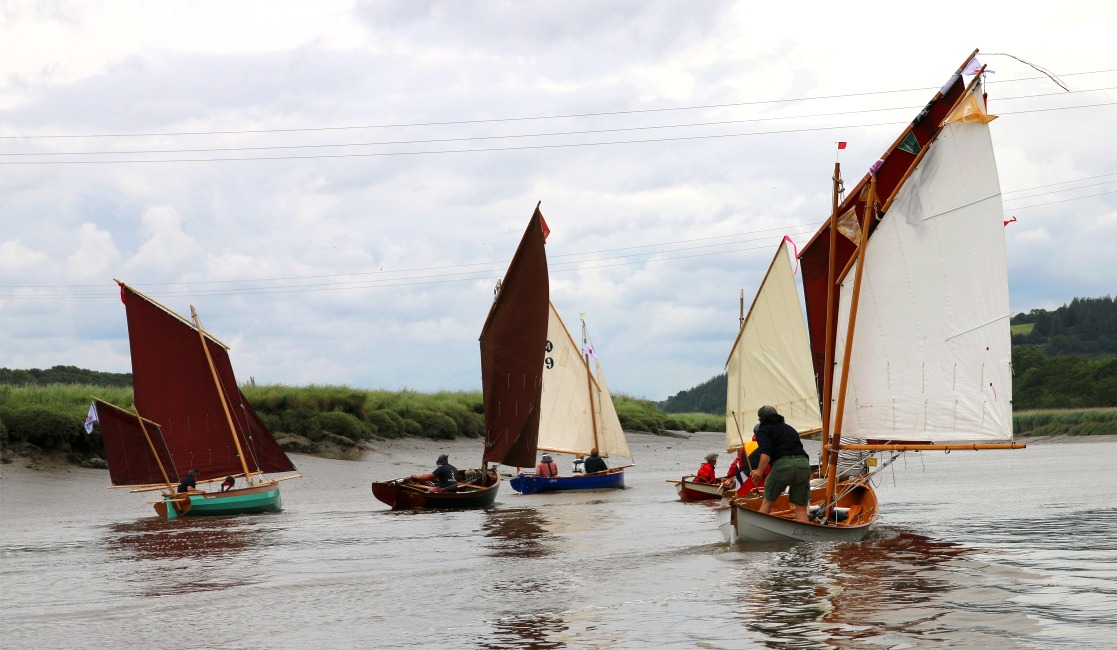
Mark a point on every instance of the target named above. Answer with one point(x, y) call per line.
point(46, 428)
point(438, 426)
point(343, 424)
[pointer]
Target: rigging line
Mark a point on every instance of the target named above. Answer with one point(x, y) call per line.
point(1077, 180)
point(1077, 198)
point(1067, 189)
point(513, 119)
point(500, 149)
point(500, 137)
point(347, 287)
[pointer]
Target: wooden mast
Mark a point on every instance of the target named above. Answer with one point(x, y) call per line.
point(836, 434)
point(589, 384)
point(220, 392)
point(828, 355)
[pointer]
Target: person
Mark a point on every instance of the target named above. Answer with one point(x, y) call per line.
point(707, 473)
point(445, 473)
point(189, 483)
point(740, 469)
point(547, 467)
point(576, 465)
point(228, 483)
point(595, 463)
point(781, 448)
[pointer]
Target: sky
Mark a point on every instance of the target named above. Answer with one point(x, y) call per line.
point(337, 186)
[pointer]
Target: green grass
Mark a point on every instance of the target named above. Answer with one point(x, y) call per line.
point(1022, 328)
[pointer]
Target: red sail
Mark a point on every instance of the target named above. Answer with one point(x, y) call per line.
point(513, 344)
point(131, 454)
point(175, 387)
point(892, 171)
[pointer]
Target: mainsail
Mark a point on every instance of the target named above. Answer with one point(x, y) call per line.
point(931, 356)
point(175, 386)
point(578, 413)
point(770, 362)
point(512, 350)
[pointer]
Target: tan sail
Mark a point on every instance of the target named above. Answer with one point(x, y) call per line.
point(771, 359)
point(577, 411)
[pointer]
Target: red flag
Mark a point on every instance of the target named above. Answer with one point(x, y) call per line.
point(546, 230)
point(1011, 220)
point(841, 145)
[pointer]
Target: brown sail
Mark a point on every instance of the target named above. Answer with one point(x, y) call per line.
point(176, 387)
point(135, 449)
point(513, 344)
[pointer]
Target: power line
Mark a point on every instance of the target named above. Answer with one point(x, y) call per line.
point(517, 119)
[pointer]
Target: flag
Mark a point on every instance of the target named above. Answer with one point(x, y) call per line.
point(974, 67)
point(91, 417)
point(1011, 220)
point(587, 350)
point(546, 230)
point(909, 144)
point(841, 145)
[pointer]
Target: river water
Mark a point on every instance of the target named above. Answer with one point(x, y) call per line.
point(991, 549)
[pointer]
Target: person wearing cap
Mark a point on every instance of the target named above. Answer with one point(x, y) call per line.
point(707, 473)
point(547, 467)
point(189, 483)
point(781, 448)
point(446, 475)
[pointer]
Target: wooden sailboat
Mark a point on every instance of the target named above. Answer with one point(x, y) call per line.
point(512, 348)
point(906, 291)
point(189, 413)
point(577, 415)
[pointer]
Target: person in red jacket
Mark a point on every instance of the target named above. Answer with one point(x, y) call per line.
point(547, 467)
point(707, 473)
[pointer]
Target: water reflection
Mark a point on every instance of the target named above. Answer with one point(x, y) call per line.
point(519, 533)
point(875, 592)
point(157, 557)
point(528, 630)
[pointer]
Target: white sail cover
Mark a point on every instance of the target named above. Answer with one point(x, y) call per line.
point(771, 359)
point(573, 401)
point(931, 356)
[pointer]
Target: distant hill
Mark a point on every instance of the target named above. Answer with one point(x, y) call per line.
point(1065, 358)
point(64, 375)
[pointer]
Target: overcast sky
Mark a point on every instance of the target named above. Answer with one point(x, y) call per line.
point(336, 186)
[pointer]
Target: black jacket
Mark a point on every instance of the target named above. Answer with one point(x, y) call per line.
point(778, 439)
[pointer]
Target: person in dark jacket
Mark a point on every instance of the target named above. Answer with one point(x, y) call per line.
point(446, 475)
point(595, 463)
point(781, 448)
point(189, 483)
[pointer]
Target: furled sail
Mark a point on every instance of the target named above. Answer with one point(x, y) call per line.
point(134, 447)
point(578, 412)
point(770, 362)
point(512, 350)
point(175, 386)
point(931, 355)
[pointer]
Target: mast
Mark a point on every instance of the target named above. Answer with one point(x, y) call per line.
point(828, 376)
point(220, 392)
point(589, 382)
point(151, 446)
point(836, 436)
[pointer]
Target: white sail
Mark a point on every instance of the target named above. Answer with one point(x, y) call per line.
point(931, 356)
point(577, 412)
point(771, 359)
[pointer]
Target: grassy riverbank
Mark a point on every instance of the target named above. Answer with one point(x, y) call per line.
point(339, 420)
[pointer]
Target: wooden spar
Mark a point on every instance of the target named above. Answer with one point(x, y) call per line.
point(937, 447)
point(151, 446)
point(737, 424)
point(220, 391)
point(166, 309)
point(589, 386)
point(741, 318)
point(828, 354)
point(836, 431)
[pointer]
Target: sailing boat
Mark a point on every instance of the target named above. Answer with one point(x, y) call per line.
point(769, 363)
point(188, 414)
point(906, 291)
point(577, 415)
point(512, 349)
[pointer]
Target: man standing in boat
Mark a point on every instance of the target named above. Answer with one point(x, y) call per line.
point(780, 447)
point(446, 475)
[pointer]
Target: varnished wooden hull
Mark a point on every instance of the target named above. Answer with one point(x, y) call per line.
point(739, 519)
point(402, 494)
point(690, 491)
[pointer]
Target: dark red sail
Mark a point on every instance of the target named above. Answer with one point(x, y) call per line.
point(513, 344)
point(134, 458)
point(175, 386)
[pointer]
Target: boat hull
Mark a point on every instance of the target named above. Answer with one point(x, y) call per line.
point(688, 490)
point(403, 494)
point(739, 519)
point(531, 484)
point(251, 500)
